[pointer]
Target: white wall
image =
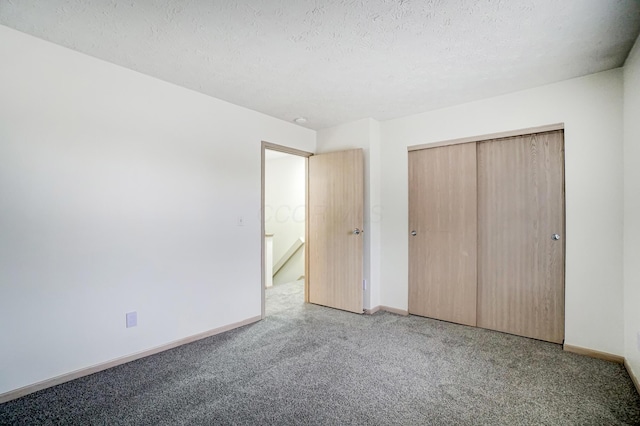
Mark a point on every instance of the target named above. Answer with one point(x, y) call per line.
point(632, 208)
point(363, 134)
point(591, 108)
point(285, 198)
point(120, 192)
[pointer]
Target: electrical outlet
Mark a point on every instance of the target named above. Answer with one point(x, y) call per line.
point(132, 319)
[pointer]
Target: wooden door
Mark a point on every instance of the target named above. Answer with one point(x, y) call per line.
point(520, 208)
point(335, 245)
point(442, 214)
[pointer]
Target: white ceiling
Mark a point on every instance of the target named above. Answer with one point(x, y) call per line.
point(335, 61)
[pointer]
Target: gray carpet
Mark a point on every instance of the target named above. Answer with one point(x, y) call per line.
point(308, 365)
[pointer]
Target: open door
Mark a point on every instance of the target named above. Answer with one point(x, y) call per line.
point(335, 244)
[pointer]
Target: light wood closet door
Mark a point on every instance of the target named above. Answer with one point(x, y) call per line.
point(520, 208)
point(336, 208)
point(442, 214)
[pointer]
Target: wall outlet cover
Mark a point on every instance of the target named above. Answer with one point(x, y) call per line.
point(132, 319)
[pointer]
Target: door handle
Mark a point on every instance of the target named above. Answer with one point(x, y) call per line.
point(414, 233)
point(555, 237)
point(357, 231)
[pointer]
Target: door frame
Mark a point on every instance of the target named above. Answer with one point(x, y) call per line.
point(287, 150)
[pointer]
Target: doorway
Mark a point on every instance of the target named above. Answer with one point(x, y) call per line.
point(333, 228)
point(284, 200)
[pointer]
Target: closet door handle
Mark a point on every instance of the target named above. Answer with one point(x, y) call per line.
point(555, 237)
point(414, 233)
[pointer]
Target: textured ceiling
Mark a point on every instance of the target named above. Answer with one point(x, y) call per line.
point(335, 61)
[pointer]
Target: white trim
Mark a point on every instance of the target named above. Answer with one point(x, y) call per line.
point(297, 244)
point(285, 149)
point(634, 379)
point(396, 311)
point(593, 353)
point(372, 310)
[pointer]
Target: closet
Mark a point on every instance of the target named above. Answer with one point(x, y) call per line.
point(486, 223)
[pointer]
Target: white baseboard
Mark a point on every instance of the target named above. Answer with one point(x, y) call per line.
point(593, 353)
point(20, 392)
point(372, 311)
point(386, 309)
point(634, 379)
point(394, 310)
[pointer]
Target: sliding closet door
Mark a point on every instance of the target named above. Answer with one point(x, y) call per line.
point(442, 240)
point(521, 235)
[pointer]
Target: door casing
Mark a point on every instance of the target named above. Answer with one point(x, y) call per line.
point(306, 155)
point(307, 283)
